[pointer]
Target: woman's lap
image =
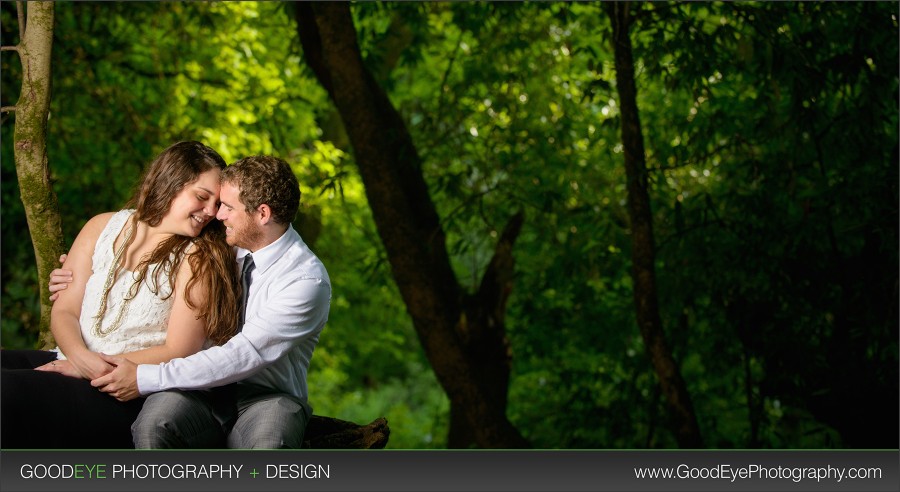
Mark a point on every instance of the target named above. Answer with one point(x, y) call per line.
point(25, 359)
point(47, 410)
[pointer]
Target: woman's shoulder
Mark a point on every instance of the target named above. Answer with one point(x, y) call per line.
point(96, 224)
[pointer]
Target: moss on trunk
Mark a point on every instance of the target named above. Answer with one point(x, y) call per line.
point(30, 147)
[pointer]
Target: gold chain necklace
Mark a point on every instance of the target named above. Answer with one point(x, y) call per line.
point(107, 286)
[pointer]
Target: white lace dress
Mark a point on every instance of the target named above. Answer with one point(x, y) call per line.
point(146, 316)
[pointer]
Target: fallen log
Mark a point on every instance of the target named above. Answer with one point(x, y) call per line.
point(332, 433)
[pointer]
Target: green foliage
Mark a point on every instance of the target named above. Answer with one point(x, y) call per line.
point(771, 136)
point(769, 204)
point(130, 80)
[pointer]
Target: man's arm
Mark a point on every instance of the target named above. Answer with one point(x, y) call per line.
point(295, 313)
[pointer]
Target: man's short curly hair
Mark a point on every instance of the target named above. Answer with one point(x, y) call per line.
point(265, 179)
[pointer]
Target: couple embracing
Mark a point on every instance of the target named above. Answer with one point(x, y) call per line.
point(187, 320)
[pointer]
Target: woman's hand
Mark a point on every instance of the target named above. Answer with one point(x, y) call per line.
point(63, 367)
point(89, 365)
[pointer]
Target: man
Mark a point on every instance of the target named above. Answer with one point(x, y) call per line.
point(286, 308)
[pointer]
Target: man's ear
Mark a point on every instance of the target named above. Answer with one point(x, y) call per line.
point(265, 214)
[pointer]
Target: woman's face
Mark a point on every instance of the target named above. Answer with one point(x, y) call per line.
point(194, 206)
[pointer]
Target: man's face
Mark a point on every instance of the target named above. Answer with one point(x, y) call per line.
point(241, 227)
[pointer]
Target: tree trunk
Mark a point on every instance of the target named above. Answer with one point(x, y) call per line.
point(643, 273)
point(30, 144)
point(463, 335)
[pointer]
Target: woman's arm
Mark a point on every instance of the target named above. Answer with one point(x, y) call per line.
point(185, 333)
point(66, 311)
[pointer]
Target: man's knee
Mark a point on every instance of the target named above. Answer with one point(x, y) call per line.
point(175, 419)
point(267, 437)
point(156, 425)
point(276, 423)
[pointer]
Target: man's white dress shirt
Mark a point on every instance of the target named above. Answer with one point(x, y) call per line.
point(287, 308)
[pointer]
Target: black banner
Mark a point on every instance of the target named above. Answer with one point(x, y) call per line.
point(470, 470)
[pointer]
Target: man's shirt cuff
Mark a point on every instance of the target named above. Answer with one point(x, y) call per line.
point(148, 378)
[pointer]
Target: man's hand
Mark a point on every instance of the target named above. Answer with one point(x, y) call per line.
point(59, 279)
point(121, 383)
point(64, 367)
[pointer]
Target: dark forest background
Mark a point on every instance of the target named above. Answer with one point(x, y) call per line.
point(556, 225)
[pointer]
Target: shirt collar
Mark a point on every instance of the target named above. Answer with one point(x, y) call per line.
point(266, 256)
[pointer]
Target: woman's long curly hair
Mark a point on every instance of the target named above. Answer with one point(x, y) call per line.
point(210, 258)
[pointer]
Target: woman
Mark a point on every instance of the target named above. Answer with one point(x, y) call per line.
point(151, 283)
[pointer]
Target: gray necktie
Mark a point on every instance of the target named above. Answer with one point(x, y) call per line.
point(245, 288)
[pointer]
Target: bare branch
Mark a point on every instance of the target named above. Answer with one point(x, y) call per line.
point(8, 109)
point(168, 74)
point(9, 48)
point(691, 162)
point(446, 76)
